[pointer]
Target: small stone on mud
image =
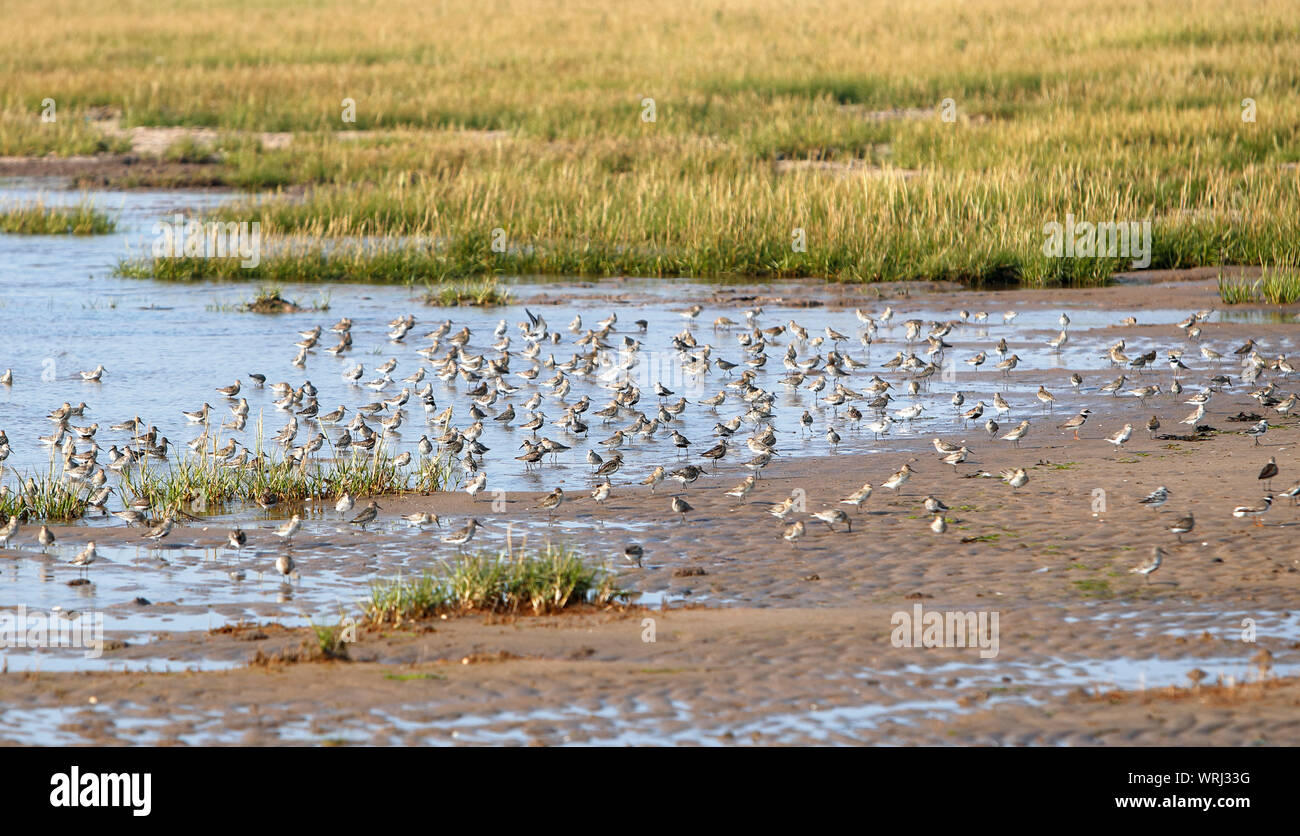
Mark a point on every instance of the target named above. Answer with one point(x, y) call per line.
point(688, 571)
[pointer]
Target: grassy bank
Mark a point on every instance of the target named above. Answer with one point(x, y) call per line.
point(829, 156)
point(38, 219)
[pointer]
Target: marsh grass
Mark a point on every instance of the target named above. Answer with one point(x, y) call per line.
point(1236, 291)
point(1276, 285)
point(487, 292)
point(35, 218)
point(203, 483)
point(47, 498)
point(545, 581)
point(329, 640)
point(528, 120)
point(1280, 285)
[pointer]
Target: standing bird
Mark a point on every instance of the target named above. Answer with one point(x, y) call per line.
point(1120, 438)
point(1021, 430)
point(345, 504)
point(1149, 568)
point(45, 537)
point(1183, 526)
point(462, 536)
point(366, 516)
point(1258, 430)
point(681, 506)
point(633, 554)
point(284, 564)
point(86, 557)
point(1077, 422)
point(1156, 498)
point(158, 532)
point(1256, 511)
point(831, 516)
point(939, 525)
point(7, 533)
point(1267, 473)
point(237, 539)
point(794, 532)
point(552, 501)
point(286, 531)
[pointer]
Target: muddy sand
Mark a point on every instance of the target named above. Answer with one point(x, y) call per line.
point(756, 640)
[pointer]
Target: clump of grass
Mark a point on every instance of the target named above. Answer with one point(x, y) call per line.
point(1280, 285)
point(202, 482)
point(1235, 291)
point(1276, 285)
point(189, 150)
point(36, 218)
point(47, 498)
point(329, 640)
point(546, 581)
point(270, 301)
point(485, 292)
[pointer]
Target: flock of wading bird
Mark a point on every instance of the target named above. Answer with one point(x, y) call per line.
point(513, 386)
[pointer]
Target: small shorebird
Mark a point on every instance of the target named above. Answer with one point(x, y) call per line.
point(7, 533)
point(1021, 430)
point(462, 536)
point(477, 484)
point(656, 476)
point(1293, 492)
point(831, 516)
point(902, 475)
point(1149, 568)
point(793, 532)
point(1076, 422)
point(237, 539)
point(1156, 498)
point(158, 532)
point(601, 493)
point(938, 525)
point(1256, 511)
point(1016, 478)
point(1120, 438)
point(345, 504)
point(286, 531)
point(1046, 398)
point(367, 515)
point(742, 490)
point(93, 377)
point(1183, 525)
point(86, 557)
point(284, 564)
point(552, 501)
point(681, 506)
point(858, 497)
point(1153, 425)
point(422, 518)
point(935, 505)
point(1258, 430)
point(1267, 473)
point(633, 554)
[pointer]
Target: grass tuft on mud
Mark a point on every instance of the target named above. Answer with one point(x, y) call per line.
point(545, 581)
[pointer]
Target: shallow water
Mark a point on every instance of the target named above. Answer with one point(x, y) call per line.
point(167, 346)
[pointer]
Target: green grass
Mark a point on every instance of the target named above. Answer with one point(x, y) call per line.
point(48, 498)
point(528, 119)
point(201, 482)
point(1276, 285)
point(329, 640)
point(36, 218)
point(544, 581)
